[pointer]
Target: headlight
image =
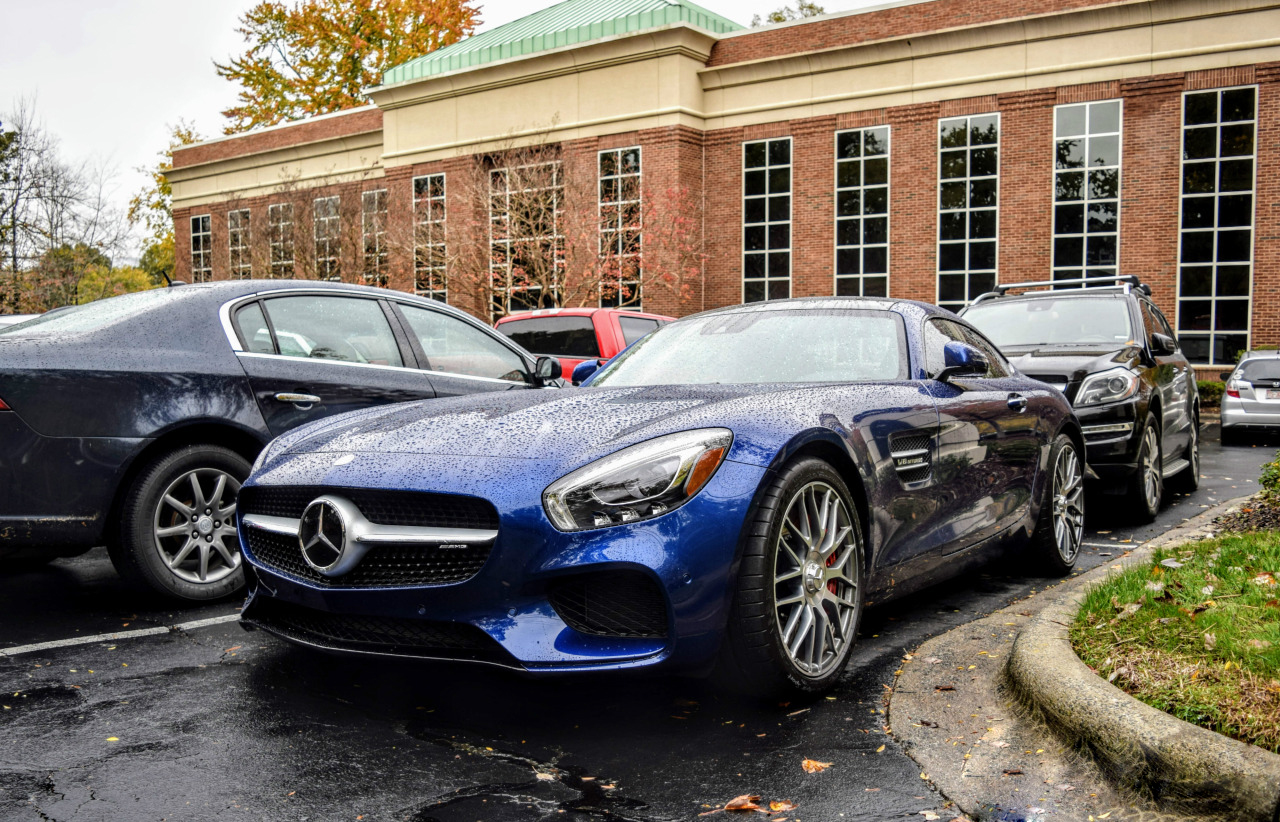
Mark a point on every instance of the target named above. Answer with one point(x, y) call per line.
point(637, 483)
point(1112, 385)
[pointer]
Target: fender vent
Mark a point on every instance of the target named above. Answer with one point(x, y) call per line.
point(912, 456)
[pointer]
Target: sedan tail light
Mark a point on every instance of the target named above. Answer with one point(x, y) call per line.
point(1233, 389)
point(4, 406)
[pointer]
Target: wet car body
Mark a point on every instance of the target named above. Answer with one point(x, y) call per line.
point(943, 475)
point(88, 405)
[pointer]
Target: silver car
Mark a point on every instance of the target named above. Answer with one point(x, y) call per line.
point(1252, 397)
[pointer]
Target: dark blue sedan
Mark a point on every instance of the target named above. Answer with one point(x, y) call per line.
point(734, 489)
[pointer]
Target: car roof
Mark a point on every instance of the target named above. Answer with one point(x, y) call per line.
point(1091, 293)
point(1260, 354)
point(581, 312)
point(914, 307)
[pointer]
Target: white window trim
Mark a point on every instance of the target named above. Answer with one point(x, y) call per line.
point(791, 211)
point(286, 228)
point(332, 241)
point(888, 214)
point(1053, 182)
point(202, 273)
point(380, 252)
point(443, 241)
point(1253, 222)
point(557, 236)
point(639, 201)
point(243, 271)
point(937, 207)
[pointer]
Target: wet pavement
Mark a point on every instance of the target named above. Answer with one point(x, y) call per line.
point(212, 722)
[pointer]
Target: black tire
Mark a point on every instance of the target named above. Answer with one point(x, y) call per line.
point(1055, 543)
point(1230, 436)
point(1146, 487)
point(755, 658)
point(1187, 481)
point(145, 554)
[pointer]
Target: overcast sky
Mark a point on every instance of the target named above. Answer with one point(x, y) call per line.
point(109, 76)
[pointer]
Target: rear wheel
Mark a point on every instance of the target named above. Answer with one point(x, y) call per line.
point(1056, 542)
point(1146, 486)
point(799, 589)
point(1188, 479)
point(177, 526)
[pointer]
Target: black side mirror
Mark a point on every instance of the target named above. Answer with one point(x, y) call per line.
point(961, 360)
point(546, 369)
point(583, 370)
point(1163, 344)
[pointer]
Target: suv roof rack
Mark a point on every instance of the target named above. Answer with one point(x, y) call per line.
point(1127, 282)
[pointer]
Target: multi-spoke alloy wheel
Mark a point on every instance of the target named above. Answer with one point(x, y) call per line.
point(195, 530)
point(1068, 505)
point(1152, 480)
point(178, 524)
point(815, 580)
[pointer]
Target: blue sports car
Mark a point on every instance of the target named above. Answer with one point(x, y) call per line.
point(730, 491)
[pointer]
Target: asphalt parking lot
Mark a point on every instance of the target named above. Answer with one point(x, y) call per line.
point(207, 721)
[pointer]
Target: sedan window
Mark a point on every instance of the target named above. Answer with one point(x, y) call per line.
point(939, 332)
point(554, 336)
point(455, 346)
point(633, 328)
point(1268, 369)
point(252, 325)
point(349, 329)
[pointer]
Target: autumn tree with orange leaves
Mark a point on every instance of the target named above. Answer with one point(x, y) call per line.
point(318, 56)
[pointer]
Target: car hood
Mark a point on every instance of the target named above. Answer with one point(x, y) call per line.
point(1074, 362)
point(575, 426)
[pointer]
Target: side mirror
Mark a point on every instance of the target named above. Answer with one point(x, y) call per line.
point(1163, 344)
point(1225, 375)
point(546, 369)
point(583, 370)
point(961, 360)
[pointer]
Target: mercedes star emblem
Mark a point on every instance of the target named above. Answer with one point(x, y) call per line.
point(323, 535)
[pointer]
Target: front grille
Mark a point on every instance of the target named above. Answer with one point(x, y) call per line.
point(901, 446)
point(384, 507)
point(612, 604)
point(384, 566)
point(386, 635)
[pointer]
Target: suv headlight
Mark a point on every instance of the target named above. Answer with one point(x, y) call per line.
point(637, 483)
point(1112, 385)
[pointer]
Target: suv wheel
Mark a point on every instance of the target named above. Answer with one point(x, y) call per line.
point(1146, 487)
point(178, 524)
point(1188, 479)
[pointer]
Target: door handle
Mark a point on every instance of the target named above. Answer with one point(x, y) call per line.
point(307, 400)
point(1017, 402)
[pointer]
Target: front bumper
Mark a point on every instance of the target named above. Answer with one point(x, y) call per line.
point(55, 492)
point(514, 611)
point(1112, 438)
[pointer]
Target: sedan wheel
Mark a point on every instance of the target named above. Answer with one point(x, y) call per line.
point(799, 590)
point(195, 529)
point(1055, 545)
point(178, 524)
point(815, 580)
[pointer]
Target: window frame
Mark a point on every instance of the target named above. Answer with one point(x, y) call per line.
point(378, 216)
point(240, 254)
point(557, 238)
point(635, 303)
point(1082, 270)
point(861, 276)
point(280, 236)
point(968, 209)
point(202, 259)
point(1212, 332)
point(427, 229)
point(332, 241)
point(790, 221)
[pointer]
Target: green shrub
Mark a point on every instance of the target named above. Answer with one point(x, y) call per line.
point(1270, 479)
point(1210, 393)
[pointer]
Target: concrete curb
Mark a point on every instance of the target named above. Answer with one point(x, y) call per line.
point(1181, 766)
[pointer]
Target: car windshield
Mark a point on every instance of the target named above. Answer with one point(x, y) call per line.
point(769, 346)
point(1053, 321)
point(1268, 369)
point(78, 319)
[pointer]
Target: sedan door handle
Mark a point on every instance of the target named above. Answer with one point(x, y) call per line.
point(1017, 402)
point(298, 399)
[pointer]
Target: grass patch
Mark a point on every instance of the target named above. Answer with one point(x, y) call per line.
point(1196, 633)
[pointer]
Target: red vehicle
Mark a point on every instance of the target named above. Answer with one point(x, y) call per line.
point(578, 334)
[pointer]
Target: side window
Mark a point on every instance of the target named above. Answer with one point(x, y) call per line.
point(937, 333)
point(457, 347)
point(350, 329)
point(253, 329)
point(633, 328)
point(554, 336)
point(996, 363)
point(1160, 324)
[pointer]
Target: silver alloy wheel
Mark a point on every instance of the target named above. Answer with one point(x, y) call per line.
point(1151, 476)
point(1194, 453)
point(1068, 505)
point(816, 579)
point(195, 526)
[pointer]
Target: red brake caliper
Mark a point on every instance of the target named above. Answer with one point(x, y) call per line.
point(831, 560)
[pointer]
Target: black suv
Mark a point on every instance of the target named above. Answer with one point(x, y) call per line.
point(1112, 353)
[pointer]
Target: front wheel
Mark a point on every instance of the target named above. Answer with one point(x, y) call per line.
point(1146, 487)
point(178, 524)
point(799, 588)
point(1060, 529)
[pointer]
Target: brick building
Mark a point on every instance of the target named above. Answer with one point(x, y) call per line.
point(925, 149)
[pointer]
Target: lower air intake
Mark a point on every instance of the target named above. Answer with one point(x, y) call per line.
point(612, 604)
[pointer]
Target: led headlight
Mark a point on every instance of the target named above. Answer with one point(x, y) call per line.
point(1112, 385)
point(636, 483)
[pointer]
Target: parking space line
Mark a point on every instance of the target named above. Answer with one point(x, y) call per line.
point(140, 632)
point(1128, 546)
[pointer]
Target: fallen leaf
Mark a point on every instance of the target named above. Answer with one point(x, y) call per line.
point(1259, 644)
point(1210, 641)
point(784, 805)
point(944, 687)
point(813, 766)
point(1170, 563)
point(932, 660)
point(232, 648)
point(546, 777)
point(746, 802)
point(113, 739)
point(880, 749)
point(999, 744)
point(928, 815)
point(1013, 772)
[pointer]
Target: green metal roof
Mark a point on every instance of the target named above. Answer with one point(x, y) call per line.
point(564, 24)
